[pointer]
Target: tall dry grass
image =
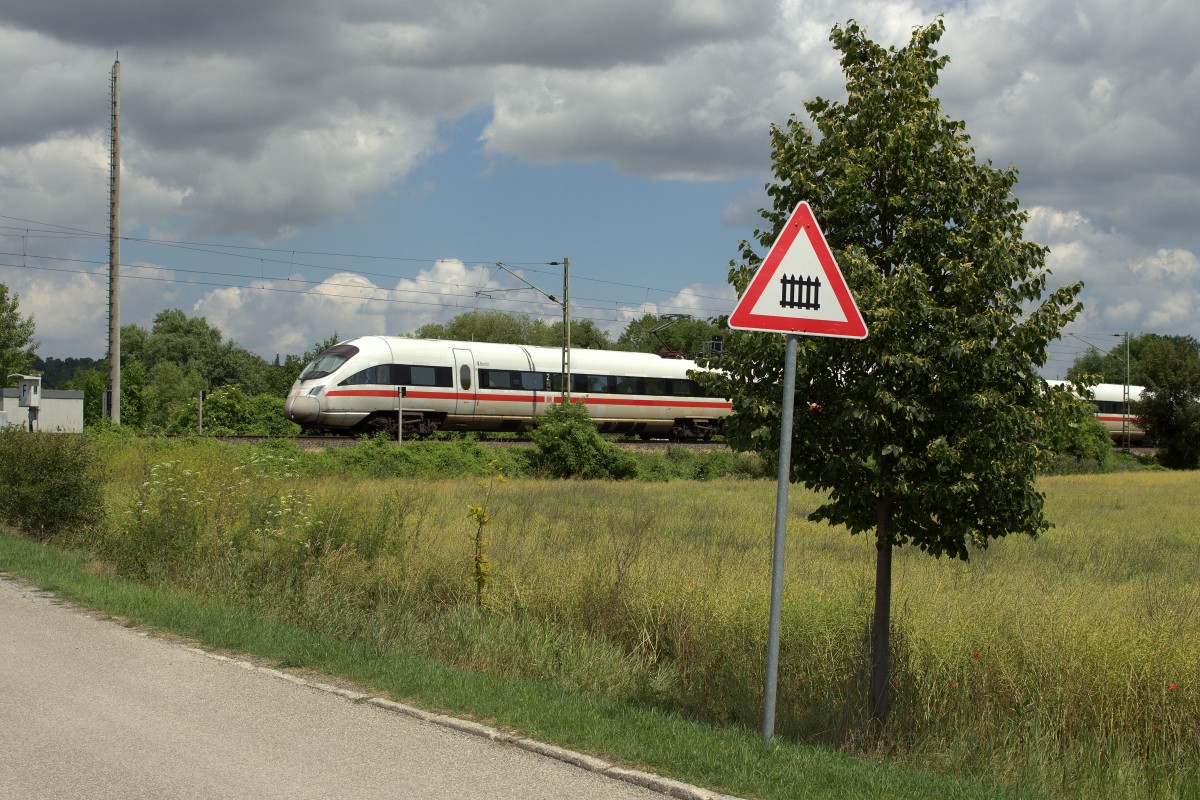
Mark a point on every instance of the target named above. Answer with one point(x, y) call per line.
point(1070, 664)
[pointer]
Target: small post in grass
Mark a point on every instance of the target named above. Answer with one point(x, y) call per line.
point(401, 392)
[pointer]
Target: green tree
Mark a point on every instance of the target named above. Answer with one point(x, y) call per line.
point(56, 372)
point(680, 336)
point(569, 446)
point(1110, 367)
point(136, 400)
point(18, 348)
point(229, 411)
point(585, 334)
point(1067, 426)
point(488, 326)
point(924, 433)
point(506, 328)
point(1169, 366)
point(164, 369)
point(193, 345)
point(168, 389)
point(93, 383)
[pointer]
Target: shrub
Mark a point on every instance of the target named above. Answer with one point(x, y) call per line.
point(229, 411)
point(380, 457)
point(570, 447)
point(1069, 429)
point(49, 481)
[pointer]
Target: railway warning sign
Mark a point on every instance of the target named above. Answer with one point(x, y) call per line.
point(799, 288)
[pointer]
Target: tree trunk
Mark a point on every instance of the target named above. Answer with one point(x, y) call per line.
point(881, 622)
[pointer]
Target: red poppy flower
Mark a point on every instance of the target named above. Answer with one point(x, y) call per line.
point(1172, 687)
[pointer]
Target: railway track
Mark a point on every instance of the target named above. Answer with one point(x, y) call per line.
point(321, 442)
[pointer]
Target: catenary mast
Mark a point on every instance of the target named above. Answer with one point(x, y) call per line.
point(114, 252)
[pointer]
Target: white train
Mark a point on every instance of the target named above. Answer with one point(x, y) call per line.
point(1112, 411)
point(354, 387)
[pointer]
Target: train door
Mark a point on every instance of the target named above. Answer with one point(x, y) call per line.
point(534, 382)
point(464, 377)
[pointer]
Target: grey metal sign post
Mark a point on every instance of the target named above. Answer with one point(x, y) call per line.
point(781, 507)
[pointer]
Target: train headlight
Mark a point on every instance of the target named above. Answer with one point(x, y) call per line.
point(316, 390)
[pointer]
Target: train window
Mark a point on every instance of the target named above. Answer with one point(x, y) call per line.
point(423, 376)
point(415, 375)
point(464, 376)
point(680, 387)
point(656, 385)
point(627, 385)
point(499, 379)
point(533, 381)
point(329, 361)
point(579, 382)
point(369, 375)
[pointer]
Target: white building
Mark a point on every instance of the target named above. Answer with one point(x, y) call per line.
point(60, 410)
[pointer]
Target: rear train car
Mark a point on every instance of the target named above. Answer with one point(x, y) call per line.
point(354, 387)
point(1114, 412)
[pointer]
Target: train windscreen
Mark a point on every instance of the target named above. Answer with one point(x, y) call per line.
point(329, 361)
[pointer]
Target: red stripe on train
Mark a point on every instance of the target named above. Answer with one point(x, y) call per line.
point(419, 394)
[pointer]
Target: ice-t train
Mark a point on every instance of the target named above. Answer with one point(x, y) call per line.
point(1113, 410)
point(355, 387)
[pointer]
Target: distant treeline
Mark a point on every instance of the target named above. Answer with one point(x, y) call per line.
point(56, 372)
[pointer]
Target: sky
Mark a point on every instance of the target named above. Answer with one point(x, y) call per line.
point(291, 169)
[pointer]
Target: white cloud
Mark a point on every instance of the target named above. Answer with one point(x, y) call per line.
point(290, 315)
point(1174, 264)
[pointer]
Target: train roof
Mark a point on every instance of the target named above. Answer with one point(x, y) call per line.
point(1107, 391)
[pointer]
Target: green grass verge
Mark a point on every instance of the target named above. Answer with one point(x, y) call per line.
point(731, 760)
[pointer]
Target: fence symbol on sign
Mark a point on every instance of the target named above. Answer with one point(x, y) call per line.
point(800, 292)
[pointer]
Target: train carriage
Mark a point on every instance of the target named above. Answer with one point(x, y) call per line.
point(354, 387)
point(1113, 410)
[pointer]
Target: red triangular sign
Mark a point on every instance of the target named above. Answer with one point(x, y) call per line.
point(799, 287)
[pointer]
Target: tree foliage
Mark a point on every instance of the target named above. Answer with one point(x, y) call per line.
point(1067, 426)
point(690, 338)
point(1169, 367)
point(505, 328)
point(18, 349)
point(569, 446)
point(229, 411)
point(1110, 367)
point(194, 347)
point(925, 432)
point(57, 372)
point(50, 483)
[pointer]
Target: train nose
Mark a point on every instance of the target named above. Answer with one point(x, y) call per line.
point(301, 408)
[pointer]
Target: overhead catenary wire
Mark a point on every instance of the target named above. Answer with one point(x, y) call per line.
point(603, 308)
point(467, 305)
point(231, 251)
point(625, 309)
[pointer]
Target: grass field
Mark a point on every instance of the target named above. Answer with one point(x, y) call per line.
point(1067, 666)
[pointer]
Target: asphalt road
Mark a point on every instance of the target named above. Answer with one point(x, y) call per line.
point(92, 709)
